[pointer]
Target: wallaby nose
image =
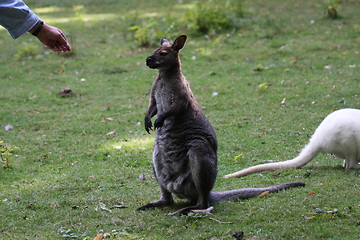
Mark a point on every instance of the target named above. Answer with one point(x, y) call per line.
point(149, 61)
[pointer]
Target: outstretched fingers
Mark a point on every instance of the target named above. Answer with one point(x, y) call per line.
point(54, 38)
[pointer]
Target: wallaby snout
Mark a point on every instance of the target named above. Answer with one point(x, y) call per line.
point(150, 62)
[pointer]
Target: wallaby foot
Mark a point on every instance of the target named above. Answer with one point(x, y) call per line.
point(166, 199)
point(195, 209)
point(351, 163)
point(159, 122)
point(159, 203)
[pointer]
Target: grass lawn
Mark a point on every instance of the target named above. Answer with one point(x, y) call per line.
point(265, 87)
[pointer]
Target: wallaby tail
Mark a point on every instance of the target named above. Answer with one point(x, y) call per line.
point(244, 193)
point(306, 155)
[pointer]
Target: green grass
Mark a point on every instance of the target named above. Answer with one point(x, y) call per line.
point(67, 167)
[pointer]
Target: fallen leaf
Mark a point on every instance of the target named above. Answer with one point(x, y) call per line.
point(238, 156)
point(54, 205)
point(6, 164)
point(8, 127)
point(32, 97)
point(66, 92)
point(312, 193)
point(104, 208)
point(294, 60)
point(142, 176)
point(264, 86)
point(332, 211)
point(120, 206)
point(238, 235)
point(264, 193)
point(221, 222)
point(111, 133)
point(99, 237)
point(106, 235)
point(258, 68)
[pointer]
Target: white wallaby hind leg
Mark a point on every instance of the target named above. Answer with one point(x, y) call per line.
point(351, 163)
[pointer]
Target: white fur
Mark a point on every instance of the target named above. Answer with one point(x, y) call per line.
point(338, 134)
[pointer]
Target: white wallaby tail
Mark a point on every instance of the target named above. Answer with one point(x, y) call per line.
point(306, 155)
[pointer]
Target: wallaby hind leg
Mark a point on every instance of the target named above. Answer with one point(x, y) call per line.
point(203, 165)
point(166, 199)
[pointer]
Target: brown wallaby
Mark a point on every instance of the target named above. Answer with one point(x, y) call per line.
point(185, 152)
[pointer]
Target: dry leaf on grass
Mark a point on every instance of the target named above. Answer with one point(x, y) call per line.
point(264, 193)
point(142, 176)
point(66, 92)
point(8, 127)
point(111, 133)
point(101, 236)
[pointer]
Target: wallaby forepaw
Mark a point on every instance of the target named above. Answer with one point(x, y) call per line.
point(148, 129)
point(148, 126)
point(158, 123)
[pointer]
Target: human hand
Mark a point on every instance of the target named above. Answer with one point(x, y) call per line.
point(54, 38)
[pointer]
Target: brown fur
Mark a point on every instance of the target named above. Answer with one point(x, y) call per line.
point(185, 151)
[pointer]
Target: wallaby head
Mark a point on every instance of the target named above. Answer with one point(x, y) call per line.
point(167, 55)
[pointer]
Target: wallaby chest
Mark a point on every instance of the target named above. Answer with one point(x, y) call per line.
point(164, 92)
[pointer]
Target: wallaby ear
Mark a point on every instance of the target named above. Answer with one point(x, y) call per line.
point(179, 43)
point(163, 41)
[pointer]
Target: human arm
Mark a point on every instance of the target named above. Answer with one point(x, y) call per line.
point(18, 19)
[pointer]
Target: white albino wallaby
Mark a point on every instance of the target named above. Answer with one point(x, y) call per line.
point(338, 134)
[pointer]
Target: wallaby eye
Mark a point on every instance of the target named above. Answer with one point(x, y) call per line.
point(163, 53)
